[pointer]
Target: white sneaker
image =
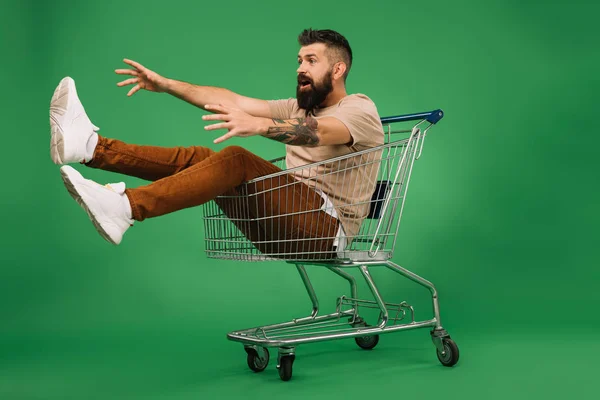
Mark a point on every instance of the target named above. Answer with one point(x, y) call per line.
point(73, 136)
point(107, 206)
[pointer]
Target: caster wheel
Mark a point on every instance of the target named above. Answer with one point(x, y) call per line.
point(451, 350)
point(257, 362)
point(367, 342)
point(285, 367)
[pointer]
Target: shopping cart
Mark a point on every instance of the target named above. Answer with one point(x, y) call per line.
point(371, 191)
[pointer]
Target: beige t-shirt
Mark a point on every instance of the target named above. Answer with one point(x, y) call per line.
point(351, 183)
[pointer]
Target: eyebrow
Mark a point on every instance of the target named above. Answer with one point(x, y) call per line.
point(308, 55)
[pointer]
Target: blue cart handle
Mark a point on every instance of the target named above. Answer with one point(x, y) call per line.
point(431, 116)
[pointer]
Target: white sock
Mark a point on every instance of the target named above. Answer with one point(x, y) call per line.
point(127, 207)
point(90, 147)
point(120, 189)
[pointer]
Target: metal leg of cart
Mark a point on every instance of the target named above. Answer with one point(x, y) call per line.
point(447, 350)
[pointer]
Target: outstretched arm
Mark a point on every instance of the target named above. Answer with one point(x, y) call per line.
point(199, 96)
point(309, 131)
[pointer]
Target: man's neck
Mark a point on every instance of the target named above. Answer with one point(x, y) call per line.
point(334, 97)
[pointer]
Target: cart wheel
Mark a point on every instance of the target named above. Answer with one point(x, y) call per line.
point(367, 342)
point(285, 367)
point(451, 350)
point(255, 362)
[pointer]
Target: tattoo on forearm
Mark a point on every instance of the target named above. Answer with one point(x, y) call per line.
point(297, 131)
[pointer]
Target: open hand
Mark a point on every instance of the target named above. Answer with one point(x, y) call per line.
point(143, 78)
point(237, 122)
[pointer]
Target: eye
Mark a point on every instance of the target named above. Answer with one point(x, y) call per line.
point(312, 61)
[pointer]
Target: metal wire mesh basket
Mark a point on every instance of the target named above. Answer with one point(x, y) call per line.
point(296, 214)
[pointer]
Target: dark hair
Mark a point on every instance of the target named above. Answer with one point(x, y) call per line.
point(333, 40)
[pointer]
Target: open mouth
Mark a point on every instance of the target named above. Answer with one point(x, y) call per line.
point(304, 83)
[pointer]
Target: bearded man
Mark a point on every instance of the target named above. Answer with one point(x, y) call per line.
point(322, 122)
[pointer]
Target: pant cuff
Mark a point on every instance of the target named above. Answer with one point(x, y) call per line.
point(135, 211)
point(98, 153)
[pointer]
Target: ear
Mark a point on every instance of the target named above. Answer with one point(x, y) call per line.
point(339, 69)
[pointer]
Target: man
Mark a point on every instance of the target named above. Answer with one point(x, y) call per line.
point(322, 122)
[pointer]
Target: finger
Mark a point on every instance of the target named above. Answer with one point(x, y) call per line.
point(126, 72)
point(217, 108)
point(224, 138)
point(217, 117)
point(134, 64)
point(128, 82)
point(135, 89)
point(214, 127)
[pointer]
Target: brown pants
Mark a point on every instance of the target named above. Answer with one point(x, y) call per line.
point(287, 213)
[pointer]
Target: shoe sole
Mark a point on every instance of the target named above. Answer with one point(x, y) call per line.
point(57, 146)
point(72, 189)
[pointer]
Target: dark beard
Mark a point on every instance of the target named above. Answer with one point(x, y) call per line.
point(311, 99)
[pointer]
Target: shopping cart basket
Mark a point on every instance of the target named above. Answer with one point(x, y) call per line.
point(371, 187)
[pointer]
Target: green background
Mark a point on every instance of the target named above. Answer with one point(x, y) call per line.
point(501, 214)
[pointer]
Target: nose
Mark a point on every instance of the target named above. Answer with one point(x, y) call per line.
point(301, 69)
